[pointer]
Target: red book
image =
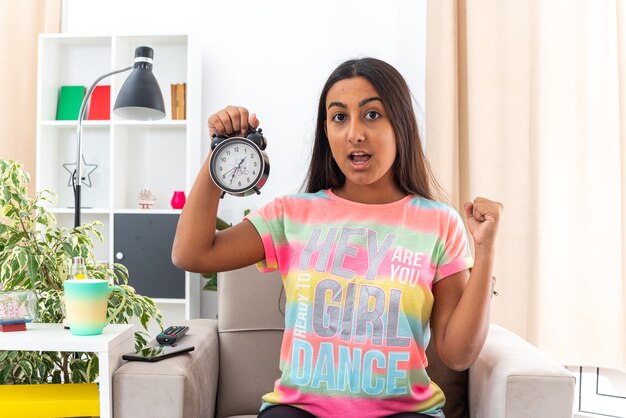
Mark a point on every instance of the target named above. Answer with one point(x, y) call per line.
point(13, 327)
point(100, 104)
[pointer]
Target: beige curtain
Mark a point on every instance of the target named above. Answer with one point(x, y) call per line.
point(20, 23)
point(526, 104)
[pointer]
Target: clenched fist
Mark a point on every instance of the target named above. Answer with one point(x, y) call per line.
point(483, 219)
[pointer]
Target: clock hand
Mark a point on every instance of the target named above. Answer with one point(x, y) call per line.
point(237, 168)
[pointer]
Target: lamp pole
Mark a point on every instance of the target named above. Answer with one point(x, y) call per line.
point(77, 179)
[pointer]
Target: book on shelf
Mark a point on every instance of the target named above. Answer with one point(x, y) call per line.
point(70, 99)
point(100, 103)
point(179, 95)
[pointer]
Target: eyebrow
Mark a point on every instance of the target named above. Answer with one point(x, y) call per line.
point(361, 103)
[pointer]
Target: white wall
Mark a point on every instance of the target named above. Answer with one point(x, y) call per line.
point(273, 57)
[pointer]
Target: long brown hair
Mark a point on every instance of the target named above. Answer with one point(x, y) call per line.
point(411, 171)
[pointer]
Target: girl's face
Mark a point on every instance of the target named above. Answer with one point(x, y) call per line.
point(361, 137)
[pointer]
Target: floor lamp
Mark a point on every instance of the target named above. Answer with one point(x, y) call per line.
point(139, 98)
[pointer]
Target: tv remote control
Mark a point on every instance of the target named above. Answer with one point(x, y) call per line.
point(172, 334)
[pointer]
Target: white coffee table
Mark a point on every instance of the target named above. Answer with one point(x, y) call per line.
point(115, 340)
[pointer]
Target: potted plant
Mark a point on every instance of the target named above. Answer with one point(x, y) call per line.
point(36, 254)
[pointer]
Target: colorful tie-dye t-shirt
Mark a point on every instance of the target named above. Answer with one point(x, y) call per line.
point(358, 280)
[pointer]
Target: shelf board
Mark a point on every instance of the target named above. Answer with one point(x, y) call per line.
point(169, 301)
point(95, 211)
point(165, 123)
point(67, 39)
point(148, 211)
point(103, 211)
point(74, 123)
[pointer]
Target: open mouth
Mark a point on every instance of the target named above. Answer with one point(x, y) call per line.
point(359, 158)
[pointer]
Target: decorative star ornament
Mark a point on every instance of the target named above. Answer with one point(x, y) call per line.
point(71, 168)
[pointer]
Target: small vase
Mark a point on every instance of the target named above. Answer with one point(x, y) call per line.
point(178, 200)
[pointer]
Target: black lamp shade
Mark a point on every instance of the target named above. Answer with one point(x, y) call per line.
point(140, 97)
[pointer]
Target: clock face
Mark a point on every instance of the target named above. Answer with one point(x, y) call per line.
point(238, 165)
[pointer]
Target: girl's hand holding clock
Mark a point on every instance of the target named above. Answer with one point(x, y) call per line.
point(232, 121)
point(238, 164)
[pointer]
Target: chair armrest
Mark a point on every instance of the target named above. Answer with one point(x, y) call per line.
point(511, 378)
point(181, 386)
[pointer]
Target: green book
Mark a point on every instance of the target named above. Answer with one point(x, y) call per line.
point(70, 99)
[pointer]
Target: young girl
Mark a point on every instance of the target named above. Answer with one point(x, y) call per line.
point(370, 261)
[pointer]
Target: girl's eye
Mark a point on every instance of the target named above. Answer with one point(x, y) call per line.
point(339, 117)
point(372, 114)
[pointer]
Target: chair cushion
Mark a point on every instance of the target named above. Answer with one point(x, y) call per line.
point(248, 368)
point(250, 336)
point(249, 285)
point(454, 384)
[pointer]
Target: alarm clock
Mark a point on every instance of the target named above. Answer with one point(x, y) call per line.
point(239, 165)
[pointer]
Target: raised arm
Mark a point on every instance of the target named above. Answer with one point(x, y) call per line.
point(461, 311)
point(197, 245)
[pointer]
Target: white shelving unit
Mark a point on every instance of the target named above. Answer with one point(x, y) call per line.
point(162, 156)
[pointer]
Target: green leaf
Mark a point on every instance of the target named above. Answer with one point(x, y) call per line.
point(211, 283)
point(5, 271)
point(67, 247)
point(221, 224)
point(42, 369)
point(27, 368)
point(211, 287)
point(77, 376)
point(6, 373)
point(56, 376)
point(32, 270)
point(22, 258)
point(140, 340)
point(92, 368)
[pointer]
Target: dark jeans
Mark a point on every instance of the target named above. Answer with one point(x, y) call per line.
point(286, 411)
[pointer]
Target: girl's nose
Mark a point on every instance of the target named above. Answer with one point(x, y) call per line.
point(356, 134)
